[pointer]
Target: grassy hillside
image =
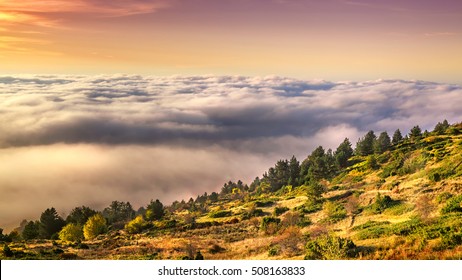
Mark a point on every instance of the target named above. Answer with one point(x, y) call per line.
point(403, 203)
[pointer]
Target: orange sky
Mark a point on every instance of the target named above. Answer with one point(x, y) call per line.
point(332, 39)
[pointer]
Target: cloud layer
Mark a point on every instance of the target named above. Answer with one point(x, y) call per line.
point(72, 140)
point(42, 110)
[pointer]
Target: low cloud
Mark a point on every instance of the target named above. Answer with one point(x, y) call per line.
point(207, 110)
point(79, 140)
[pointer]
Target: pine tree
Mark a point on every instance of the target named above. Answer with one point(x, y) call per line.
point(80, 215)
point(397, 137)
point(343, 153)
point(50, 223)
point(415, 133)
point(31, 230)
point(294, 172)
point(365, 145)
point(383, 143)
point(440, 128)
point(154, 211)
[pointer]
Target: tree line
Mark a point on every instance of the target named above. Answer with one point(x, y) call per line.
point(86, 223)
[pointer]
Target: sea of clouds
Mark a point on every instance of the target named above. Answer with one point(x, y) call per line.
point(67, 141)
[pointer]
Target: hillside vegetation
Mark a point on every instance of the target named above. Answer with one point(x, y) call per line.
point(396, 197)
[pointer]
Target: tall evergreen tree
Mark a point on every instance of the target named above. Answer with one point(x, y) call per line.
point(278, 176)
point(365, 145)
point(50, 223)
point(383, 143)
point(31, 230)
point(397, 137)
point(440, 128)
point(415, 133)
point(318, 165)
point(119, 212)
point(154, 210)
point(294, 172)
point(343, 153)
point(255, 184)
point(80, 215)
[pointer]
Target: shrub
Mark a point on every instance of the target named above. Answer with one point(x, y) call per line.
point(434, 176)
point(450, 239)
point(7, 251)
point(290, 240)
point(424, 206)
point(443, 197)
point(334, 211)
point(310, 206)
point(280, 210)
point(273, 250)
point(438, 174)
point(408, 227)
point(94, 226)
point(252, 212)
point(371, 162)
point(329, 247)
point(295, 219)
point(270, 224)
point(453, 205)
point(136, 225)
point(414, 163)
point(71, 232)
point(220, 214)
point(215, 248)
point(264, 203)
point(199, 256)
point(165, 224)
point(381, 203)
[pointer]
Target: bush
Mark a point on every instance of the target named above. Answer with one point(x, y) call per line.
point(220, 214)
point(71, 232)
point(273, 251)
point(413, 164)
point(381, 203)
point(408, 227)
point(450, 240)
point(310, 206)
point(94, 226)
point(334, 211)
point(136, 225)
point(295, 219)
point(280, 210)
point(438, 174)
point(453, 205)
point(7, 251)
point(270, 224)
point(443, 197)
point(165, 224)
point(290, 241)
point(264, 203)
point(199, 256)
point(371, 162)
point(434, 176)
point(329, 247)
point(252, 212)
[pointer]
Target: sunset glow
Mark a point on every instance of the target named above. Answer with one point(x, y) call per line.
point(334, 39)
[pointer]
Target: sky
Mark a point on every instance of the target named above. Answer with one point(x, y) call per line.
point(330, 39)
point(156, 99)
